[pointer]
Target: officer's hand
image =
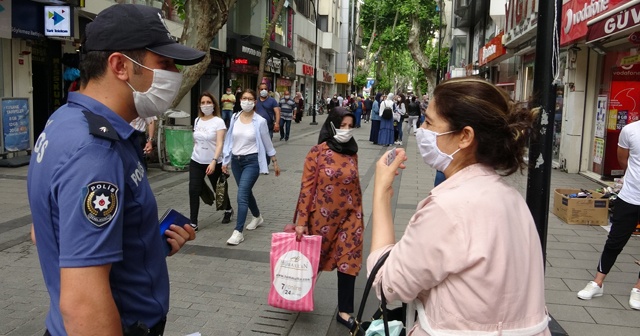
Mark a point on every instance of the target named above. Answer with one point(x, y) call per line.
point(178, 236)
point(33, 234)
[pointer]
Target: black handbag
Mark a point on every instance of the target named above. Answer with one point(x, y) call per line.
point(222, 190)
point(398, 314)
point(206, 195)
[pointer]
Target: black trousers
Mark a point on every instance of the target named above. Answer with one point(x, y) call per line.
point(346, 289)
point(623, 223)
point(197, 172)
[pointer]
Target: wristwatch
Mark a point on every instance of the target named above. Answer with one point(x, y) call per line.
point(151, 139)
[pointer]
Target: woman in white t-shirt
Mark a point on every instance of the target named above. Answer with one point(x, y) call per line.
point(208, 137)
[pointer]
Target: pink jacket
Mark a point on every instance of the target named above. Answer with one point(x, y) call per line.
point(472, 257)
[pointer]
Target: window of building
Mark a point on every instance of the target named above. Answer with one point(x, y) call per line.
point(323, 21)
point(305, 7)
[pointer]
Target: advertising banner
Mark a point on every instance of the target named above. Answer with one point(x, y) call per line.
point(15, 124)
point(576, 14)
point(601, 116)
point(57, 20)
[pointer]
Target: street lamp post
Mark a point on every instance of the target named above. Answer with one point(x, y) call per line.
point(315, 68)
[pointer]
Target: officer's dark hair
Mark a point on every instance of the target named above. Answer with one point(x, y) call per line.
point(216, 106)
point(94, 64)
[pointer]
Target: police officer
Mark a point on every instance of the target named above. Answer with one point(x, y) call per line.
point(95, 216)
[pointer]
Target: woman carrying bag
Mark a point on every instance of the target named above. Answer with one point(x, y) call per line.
point(246, 147)
point(330, 205)
point(208, 135)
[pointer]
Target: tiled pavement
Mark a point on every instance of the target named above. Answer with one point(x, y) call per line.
point(221, 290)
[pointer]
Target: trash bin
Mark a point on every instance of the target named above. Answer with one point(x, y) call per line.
point(179, 145)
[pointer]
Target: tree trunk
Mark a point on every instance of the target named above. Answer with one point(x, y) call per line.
point(203, 20)
point(413, 42)
point(267, 38)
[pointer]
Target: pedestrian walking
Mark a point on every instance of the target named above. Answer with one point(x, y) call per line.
point(147, 126)
point(236, 106)
point(358, 111)
point(332, 207)
point(228, 102)
point(478, 271)
point(206, 159)
point(287, 108)
point(299, 111)
point(340, 100)
point(246, 147)
point(368, 106)
point(413, 111)
point(267, 107)
point(95, 217)
point(398, 117)
point(375, 119)
point(385, 135)
point(626, 215)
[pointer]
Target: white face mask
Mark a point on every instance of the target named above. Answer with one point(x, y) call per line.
point(286, 97)
point(206, 109)
point(247, 105)
point(228, 91)
point(428, 148)
point(263, 93)
point(157, 99)
point(342, 135)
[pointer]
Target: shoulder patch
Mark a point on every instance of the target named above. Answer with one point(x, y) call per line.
point(100, 203)
point(100, 127)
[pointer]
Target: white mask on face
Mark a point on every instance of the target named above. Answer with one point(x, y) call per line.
point(206, 109)
point(342, 135)
point(247, 105)
point(286, 97)
point(263, 93)
point(428, 149)
point(157, 99)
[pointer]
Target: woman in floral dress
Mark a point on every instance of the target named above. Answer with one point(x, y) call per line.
point(330, 205)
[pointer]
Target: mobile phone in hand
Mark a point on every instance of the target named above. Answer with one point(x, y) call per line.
point(171, 216)
point(391, 156)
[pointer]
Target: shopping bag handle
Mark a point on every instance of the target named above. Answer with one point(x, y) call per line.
point(365, 295)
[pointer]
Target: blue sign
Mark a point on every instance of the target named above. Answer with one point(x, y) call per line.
point(15, 124)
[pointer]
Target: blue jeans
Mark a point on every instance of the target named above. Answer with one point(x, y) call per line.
point(285, 129)
point(246, 171)
point(226, 116)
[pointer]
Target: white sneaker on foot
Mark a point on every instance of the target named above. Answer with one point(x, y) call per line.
point(236, 238)
point(634, 299)
point(590, 291)
point(255, 222)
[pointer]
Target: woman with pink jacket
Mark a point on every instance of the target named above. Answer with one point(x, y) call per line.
point(470, 260)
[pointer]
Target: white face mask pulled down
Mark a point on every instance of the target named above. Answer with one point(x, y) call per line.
point(428, 149)
point(157, 99)
point(342, 135)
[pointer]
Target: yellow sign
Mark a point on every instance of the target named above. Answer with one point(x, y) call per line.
point(630, 60)
point(342, 78)
point(613, 119)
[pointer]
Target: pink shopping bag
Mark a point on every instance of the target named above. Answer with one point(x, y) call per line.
point(294, 269)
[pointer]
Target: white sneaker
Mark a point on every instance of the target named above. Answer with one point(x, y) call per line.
point(591, 290)
point(255, 222)
point(400, 143)
point(634, 299)
point(236, 238)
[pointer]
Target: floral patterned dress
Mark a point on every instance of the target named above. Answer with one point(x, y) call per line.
point(330, 202)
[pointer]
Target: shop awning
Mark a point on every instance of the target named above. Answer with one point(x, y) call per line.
point(617, 23)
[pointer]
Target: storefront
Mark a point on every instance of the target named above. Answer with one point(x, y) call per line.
point(286, 81)
point(304, 75)
point(243, 63)
point(616, 36)
point(325, 82)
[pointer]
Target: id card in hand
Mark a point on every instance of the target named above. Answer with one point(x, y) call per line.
point(171, 216)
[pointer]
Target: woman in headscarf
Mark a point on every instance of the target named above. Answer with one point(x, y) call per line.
point(375, 119)
point(330, 205)
point(299, 107)
point(386, 134)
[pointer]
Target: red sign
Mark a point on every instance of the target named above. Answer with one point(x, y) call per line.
point(240, 61)
point(635, 37)
point(307, 70)
point(491, 50)
point(614, 22)
point(576, 14)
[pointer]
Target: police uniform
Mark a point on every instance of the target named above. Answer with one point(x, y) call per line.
point(92, 205)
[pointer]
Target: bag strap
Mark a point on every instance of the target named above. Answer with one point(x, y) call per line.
point(365, 295)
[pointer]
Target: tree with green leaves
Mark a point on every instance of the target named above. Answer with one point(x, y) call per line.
point(267, 37)
point(202, 21)
point(396, 27)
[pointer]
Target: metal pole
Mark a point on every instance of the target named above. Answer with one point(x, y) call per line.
point(439, 42)
point(315, 69)
point(541, 146)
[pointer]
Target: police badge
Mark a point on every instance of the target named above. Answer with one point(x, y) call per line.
point(100, 202)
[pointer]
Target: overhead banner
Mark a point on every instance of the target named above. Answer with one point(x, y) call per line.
point(613, 22)
point(57, 20)
point(5, 19)
point(576, 14)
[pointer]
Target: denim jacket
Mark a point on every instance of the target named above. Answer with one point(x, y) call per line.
point(262, 138)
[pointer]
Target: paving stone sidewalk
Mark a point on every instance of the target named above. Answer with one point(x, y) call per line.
point(222, 290)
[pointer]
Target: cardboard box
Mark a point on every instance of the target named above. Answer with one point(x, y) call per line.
point(589, 211)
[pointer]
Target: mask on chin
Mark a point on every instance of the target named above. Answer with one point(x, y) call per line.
point(428, 149)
